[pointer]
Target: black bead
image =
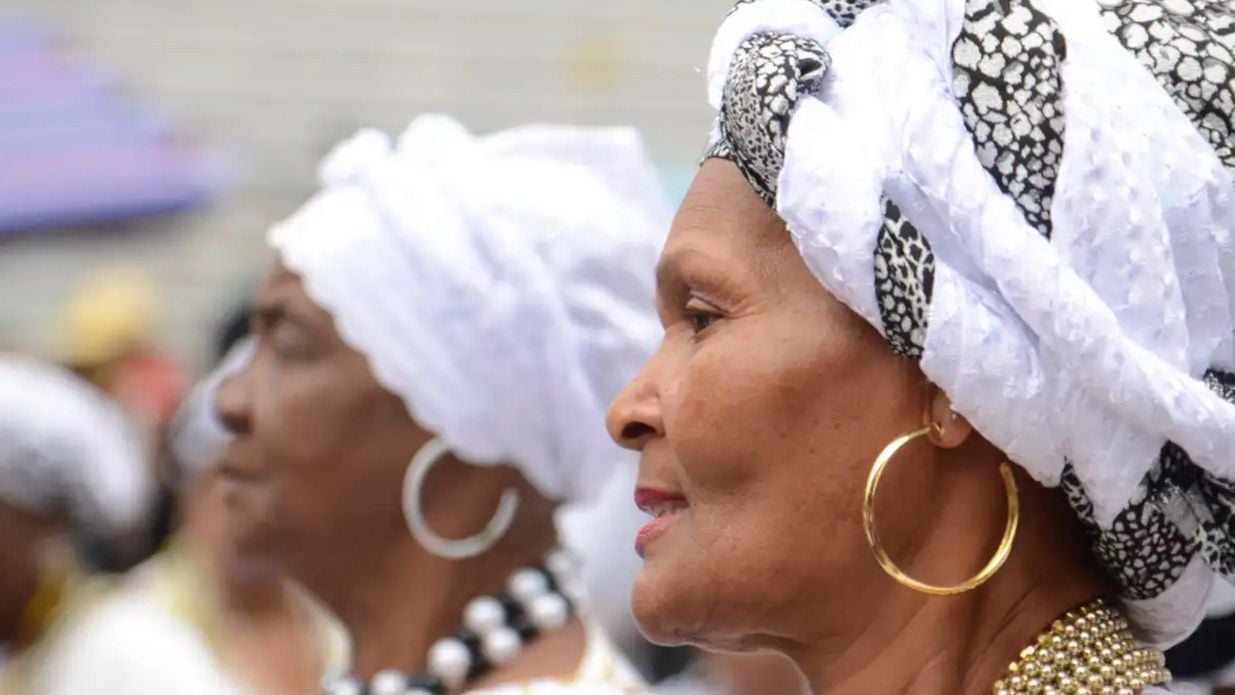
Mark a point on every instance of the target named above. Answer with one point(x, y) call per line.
point(470, 639)
point(514, 609)
point(428, 682)
point(480, 665)
point(526, 630)
point(549, 578)
point(479, 668)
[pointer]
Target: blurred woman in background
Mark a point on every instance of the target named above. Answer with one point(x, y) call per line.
point(196, 619)
point(469, 305)
point(71, 465)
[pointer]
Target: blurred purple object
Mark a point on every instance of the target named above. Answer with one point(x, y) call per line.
point(75, 151)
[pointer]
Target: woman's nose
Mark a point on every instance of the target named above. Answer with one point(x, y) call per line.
point(634, 416)
point(233, 401)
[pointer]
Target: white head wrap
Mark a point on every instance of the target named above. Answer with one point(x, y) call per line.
point(1035, 200)
point(500, 285)
point(67, 450)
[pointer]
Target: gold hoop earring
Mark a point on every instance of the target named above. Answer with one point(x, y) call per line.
point(881, 555)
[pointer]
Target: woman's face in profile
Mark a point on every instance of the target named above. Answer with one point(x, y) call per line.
point(757, 421)
point(317, 460)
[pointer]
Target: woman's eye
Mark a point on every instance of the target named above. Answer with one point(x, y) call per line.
point(699, 315)
point(287, 346)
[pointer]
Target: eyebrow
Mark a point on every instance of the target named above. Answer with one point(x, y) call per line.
point(669, 266)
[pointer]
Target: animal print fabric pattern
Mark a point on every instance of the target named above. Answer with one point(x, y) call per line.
point(843, 12)
point(1006, 64)
point(1189, 46)
point(904, 280)
point(767, 76)
point(1180, 510)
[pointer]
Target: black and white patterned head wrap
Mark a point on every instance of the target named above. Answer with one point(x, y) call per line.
point(1033, 199)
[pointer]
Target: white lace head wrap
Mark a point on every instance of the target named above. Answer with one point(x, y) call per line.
point(1034, 199)
point(501, 285)
point(67, 451)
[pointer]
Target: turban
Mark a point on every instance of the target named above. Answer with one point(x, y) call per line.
point(501, 286)
point(68, 451)
point(1034, 200)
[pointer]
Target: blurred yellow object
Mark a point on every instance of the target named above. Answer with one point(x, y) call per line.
point(109, 312)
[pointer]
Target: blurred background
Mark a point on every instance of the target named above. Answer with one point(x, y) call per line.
point(165, 137)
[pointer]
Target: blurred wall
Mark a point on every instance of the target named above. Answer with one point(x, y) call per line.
point(272, 83)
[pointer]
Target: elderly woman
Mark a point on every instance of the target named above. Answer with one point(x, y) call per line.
point(437, 342)
point(944, 403)
point(71, 465)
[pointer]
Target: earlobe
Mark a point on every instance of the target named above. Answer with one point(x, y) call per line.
point(948, 429)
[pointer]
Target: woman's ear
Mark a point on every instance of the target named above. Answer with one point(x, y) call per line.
point(948, 429)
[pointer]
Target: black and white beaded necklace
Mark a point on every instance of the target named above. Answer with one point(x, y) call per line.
point(538, 599)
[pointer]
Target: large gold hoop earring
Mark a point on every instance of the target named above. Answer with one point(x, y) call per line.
point(881, 555)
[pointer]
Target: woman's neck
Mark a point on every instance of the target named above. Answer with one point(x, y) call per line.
point(396, 603)
point(928, 645)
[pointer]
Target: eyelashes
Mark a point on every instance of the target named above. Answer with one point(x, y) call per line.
point(700, 315)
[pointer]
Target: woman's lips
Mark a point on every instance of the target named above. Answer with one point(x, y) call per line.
point(235, 471)
point(664, 508)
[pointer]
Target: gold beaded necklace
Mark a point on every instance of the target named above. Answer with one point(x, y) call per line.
point(1089, 651)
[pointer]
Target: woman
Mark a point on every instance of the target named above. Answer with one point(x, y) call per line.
point(468, 305)
point(71, 466)
point(931, 238)
point(193, 620)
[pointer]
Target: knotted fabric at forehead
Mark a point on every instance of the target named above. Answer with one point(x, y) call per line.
point(1056, 253)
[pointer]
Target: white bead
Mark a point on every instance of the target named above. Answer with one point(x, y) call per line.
point(574, 590)
point(388, 682)
point(561, 564)
point(501, 646)
point(450, 661)
point(527, 584)
point(484, 615)
point(344, 686)
point(549, 612)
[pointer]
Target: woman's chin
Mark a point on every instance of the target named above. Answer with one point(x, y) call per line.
point(657, 605)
